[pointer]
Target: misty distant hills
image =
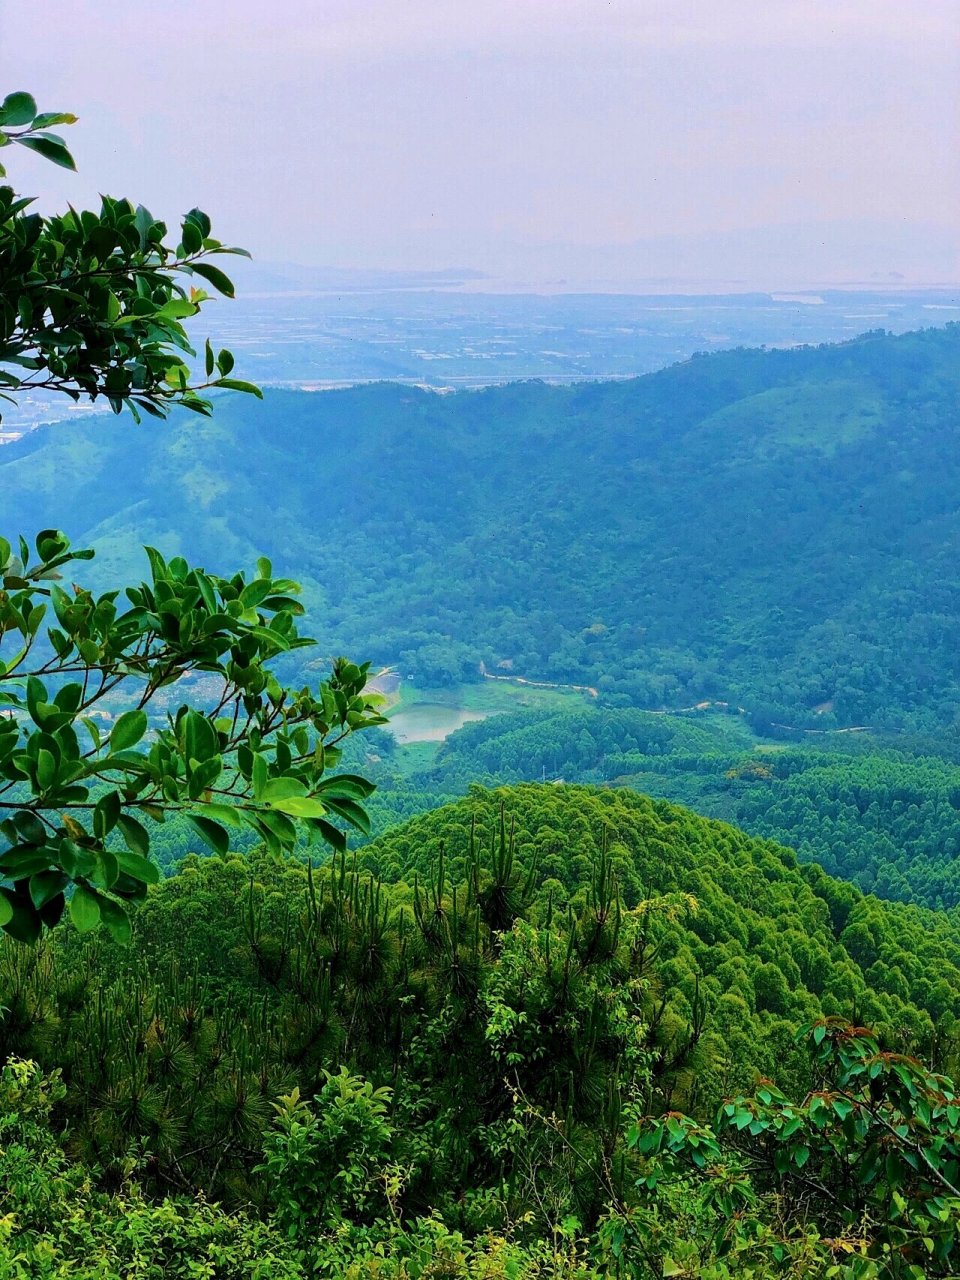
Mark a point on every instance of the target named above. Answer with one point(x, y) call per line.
point(808, 254)
point(789, 255)
point(777, 528)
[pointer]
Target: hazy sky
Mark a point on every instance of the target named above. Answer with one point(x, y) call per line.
point(523, 136)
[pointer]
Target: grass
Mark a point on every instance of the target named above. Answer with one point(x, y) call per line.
point(415, 757)
point(489, 696)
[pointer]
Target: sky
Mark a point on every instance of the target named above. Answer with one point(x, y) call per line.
point(599, 142)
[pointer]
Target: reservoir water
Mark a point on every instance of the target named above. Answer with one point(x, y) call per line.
point(430, 721)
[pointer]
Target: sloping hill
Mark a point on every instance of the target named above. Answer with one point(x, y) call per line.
point(775, 528)
point(771, 943)
point(886, 820)
point(710, 931)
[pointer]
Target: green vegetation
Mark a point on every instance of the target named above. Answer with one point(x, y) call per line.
point(462, 1059)
point(90, 303)
point(547, 1030)
point(707, 532)
point(887, 820)
point(91, 306)
point(255, 756)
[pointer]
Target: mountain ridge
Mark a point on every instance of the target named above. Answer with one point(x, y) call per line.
point(770, 527)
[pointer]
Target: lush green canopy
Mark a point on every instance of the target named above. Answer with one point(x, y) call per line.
point(775, 529)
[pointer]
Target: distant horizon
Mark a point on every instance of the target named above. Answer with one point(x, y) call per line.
point(588, 142)
point(466, 279)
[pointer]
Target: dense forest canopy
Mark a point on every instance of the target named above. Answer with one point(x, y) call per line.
point(482, 1006)
point(871, 812)
point(772, 528)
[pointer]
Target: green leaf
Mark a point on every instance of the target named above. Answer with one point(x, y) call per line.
point(200, 740)
point(201, 219)
point(259, 773)
point(108, 869)
point(300, 806)
point(272, 824)
point(223, 813)
point(46, 885)
point(140, 868)
point(234, 384)
point(75, 860)
point(128, 730)
point(17, 109)
point(842, 1107)
point(281, 789)
point(135, 834)
point(350, 786)
point(192, 238)
point(30, 827)
point(351, 812)
point(24, 921)
point(50, 118)
point(176, 309)
point(116, 920)
point(106, 814)
point(211, 833)
point(221, 282)
point(332, 835)
point(50, 148)
point(22, 861)
point(46, 769)
point(84, 909)
point(69, 698)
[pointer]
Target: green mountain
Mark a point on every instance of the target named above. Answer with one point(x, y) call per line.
point(412, 1061)
point(772, 528)
point(771, 942)
point(247, 978)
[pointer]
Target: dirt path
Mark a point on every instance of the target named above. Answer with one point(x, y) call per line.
point(539, 684)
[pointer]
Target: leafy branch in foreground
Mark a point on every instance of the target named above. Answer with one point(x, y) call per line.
point(78, 780)
point(872, 1157)
point(89, 303)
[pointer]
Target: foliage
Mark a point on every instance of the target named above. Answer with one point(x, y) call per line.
point(77, 795)
point(90, 306)
point(56, 1223)
point(886, 819)
point(493, 1094)
point(871, 1155)
point(319, 1159)
point(481, 1048)
point(770, 529)
point(253, 978)
point(770, 939)
point(645, 958)
point(89, 302)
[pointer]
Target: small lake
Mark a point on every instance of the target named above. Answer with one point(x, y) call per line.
point(430, 721)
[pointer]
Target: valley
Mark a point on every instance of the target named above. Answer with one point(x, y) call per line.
point(689, 551)
point(669, 767)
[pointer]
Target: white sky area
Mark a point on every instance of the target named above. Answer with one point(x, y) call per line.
point(582, 140)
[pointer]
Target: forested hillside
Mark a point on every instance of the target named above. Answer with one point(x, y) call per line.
point(886, 820)
point(479, 1026)
point(776, 528)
